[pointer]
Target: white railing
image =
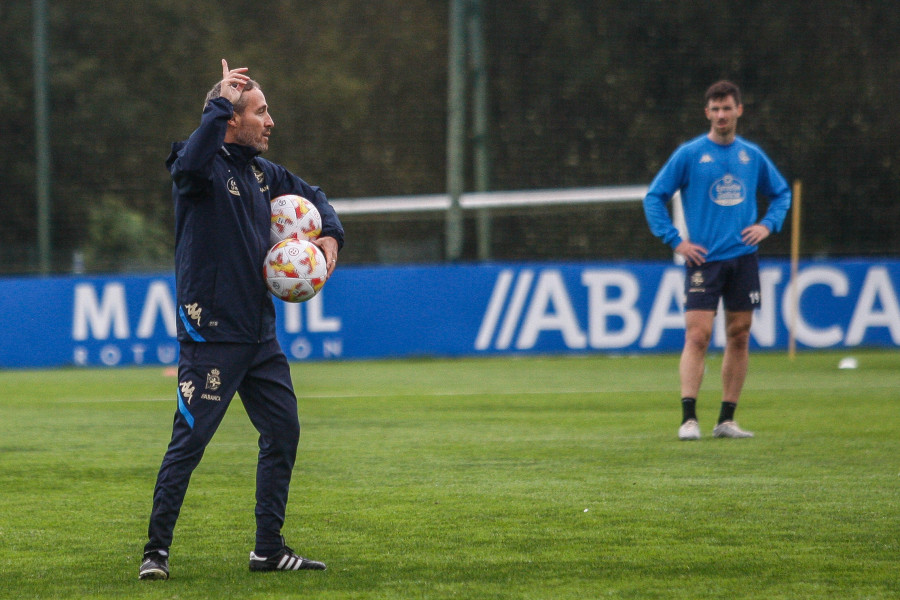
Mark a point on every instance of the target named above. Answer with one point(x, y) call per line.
point(488, 200)
point(498, 200)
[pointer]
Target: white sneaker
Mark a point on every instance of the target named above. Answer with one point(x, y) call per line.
point(730, 429)
point(689, 430)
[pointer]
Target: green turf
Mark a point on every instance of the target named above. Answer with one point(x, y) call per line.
point(556, 478)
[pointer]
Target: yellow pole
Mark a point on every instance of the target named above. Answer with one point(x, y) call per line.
point(795, 258)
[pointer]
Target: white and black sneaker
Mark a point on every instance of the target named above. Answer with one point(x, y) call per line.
point(284, 560)
point(155, 565)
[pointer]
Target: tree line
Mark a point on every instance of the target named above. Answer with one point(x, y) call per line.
point(582, 93)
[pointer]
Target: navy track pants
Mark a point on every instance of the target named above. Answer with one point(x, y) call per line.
point(209, 374)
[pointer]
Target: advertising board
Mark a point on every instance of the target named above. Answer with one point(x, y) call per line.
point(453, 310)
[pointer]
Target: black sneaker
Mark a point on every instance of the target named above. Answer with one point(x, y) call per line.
point(284, 560)
point(155, 565)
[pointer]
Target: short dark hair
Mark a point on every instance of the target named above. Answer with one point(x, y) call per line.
point(216, 92)
point(721, 90)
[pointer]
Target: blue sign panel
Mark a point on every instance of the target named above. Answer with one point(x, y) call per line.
point(401, 311)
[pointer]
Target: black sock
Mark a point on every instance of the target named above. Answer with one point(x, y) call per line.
point(727, 412)
point(688, 409)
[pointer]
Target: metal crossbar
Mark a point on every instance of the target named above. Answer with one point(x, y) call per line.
point(487, 200)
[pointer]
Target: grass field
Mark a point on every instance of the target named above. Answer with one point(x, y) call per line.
point(556, 478)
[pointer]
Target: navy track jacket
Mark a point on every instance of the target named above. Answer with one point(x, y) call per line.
point(222, 220)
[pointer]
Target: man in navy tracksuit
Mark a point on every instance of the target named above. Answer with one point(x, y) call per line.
point(226, 317)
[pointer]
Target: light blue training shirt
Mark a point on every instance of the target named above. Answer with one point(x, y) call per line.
point(719, 187)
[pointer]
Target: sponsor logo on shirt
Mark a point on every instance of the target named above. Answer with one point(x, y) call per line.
point(728, 191)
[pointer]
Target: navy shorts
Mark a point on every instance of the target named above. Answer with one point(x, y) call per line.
point(735, 281)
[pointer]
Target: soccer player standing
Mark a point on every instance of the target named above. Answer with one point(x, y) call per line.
point(719, 176)
point(226, 318)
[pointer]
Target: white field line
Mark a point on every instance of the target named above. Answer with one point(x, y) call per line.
point(600, 389)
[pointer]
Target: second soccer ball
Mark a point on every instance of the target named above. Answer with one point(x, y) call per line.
point(295, 270)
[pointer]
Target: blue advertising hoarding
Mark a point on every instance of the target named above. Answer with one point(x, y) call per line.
point(453, 310)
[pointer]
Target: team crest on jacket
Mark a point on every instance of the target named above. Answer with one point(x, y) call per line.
point(233, 187)
point(257, 172)
point(260, 178)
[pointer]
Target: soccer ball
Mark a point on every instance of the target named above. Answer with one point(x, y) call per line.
point(294, 216)
point(295, 270)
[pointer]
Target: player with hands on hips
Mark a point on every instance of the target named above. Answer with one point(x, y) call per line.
point(719, 175)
